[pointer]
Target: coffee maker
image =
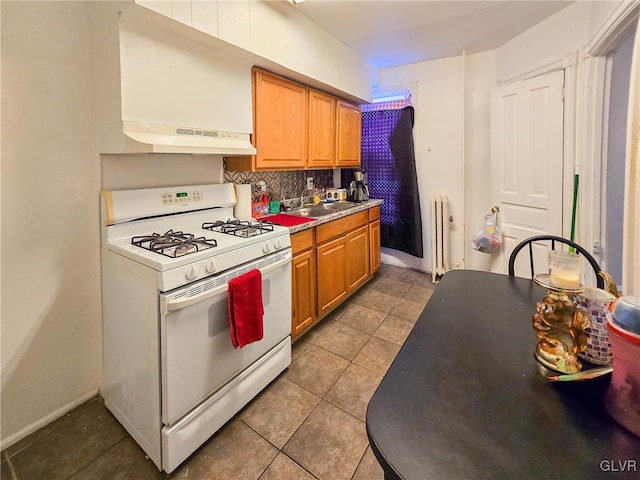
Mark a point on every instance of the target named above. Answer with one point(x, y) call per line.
point(358, 189)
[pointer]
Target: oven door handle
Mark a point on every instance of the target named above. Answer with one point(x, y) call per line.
point(171, 305)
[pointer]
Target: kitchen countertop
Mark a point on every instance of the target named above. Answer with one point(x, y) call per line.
point(334, 216)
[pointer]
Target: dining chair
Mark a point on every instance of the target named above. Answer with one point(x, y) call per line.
point(528, 242)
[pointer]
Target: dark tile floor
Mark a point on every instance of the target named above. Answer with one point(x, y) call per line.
point(309, 423)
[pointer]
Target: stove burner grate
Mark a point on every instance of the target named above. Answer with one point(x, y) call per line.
point(173, 244)
point(239, 228)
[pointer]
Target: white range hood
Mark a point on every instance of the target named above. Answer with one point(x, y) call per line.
point(158, 91)
point(132, 137)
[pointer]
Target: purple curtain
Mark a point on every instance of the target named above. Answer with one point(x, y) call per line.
point(388, 157)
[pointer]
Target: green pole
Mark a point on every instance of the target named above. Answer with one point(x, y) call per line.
point(576, 181)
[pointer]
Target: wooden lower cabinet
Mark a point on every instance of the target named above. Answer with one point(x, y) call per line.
point(329, 262)
point(374, 240)
point(303, 299)
point(332, 279)
point(374, 246)
point(303, 281)
point(357, 264)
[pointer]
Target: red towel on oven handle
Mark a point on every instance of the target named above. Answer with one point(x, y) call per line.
point(245, 308)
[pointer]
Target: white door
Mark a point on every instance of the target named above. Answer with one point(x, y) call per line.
point(527, 163)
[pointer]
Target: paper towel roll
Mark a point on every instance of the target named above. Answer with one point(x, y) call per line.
point(242, 210)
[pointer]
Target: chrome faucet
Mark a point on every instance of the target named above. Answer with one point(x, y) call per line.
point(291, 203)
point(302, 196)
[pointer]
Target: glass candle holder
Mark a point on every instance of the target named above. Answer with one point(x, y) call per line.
point(564, 269)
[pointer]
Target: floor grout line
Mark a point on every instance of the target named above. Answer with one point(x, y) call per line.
point(12, 471)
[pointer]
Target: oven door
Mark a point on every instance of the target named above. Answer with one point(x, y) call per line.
point(196, 350)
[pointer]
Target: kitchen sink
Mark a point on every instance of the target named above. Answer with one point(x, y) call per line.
point(321, 210)
point(311, 212)
point(340, 205)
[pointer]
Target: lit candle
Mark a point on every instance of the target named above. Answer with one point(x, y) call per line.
point(564, 278)
point(564, 269)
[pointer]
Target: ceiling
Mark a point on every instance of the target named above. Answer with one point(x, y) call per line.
point(396, 32)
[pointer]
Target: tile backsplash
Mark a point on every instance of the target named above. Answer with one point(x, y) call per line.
point(283, 184)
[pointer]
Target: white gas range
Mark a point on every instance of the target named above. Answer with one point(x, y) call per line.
point(171, 374)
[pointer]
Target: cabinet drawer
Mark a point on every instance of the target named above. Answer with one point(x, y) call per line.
point(340, 227)
point(302, 241)
point(374, 214)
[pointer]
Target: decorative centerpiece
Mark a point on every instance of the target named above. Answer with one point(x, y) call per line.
point(559, 325)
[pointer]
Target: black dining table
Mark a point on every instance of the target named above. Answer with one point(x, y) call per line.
point(466, 399)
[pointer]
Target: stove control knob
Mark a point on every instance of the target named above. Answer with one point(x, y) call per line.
point(266, 248)
point(211, 266)
point(278, 244)
point(192, 273)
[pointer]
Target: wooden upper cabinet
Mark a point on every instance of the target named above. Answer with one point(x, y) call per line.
point(296, 127)
point(280, 129)
point(322, 130)
point(349, 134)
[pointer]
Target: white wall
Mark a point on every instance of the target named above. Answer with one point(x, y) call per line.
point(439, 134)
point(51, 355)
point(480, 80)
point(307, 49)
point(441, 143)
point(602, 12)
point(547, 42)
point(563, 41)
point(278, 38)
point(145, 171)
point(616, 154)
point(51, 319)
point(51, 178)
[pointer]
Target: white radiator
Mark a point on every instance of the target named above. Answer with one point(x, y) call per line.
point(439, 236)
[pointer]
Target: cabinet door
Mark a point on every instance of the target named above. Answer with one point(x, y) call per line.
point(280, 123)
point(349, 134)
point(304, 291)
point(374, 246)
point(357, 261)
point(322, 130)
point(332, 278)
